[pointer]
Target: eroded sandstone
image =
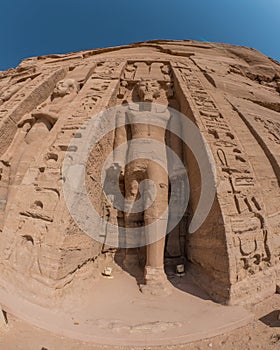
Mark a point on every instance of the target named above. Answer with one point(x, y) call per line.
point(230, 93)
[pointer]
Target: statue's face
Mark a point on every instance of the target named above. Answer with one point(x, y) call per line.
point(64, 87)
point(148, 90)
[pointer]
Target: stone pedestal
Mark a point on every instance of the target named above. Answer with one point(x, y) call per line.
point(156, 281)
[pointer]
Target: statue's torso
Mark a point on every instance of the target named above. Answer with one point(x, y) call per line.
point(150, 127)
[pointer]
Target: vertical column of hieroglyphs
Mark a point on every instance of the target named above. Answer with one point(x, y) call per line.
point(240, 198)
point(266, 131)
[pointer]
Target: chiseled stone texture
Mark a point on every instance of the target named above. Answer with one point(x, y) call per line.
point(230, 92)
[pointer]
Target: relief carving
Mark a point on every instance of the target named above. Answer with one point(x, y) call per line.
point(248, 223)
point(47, 102)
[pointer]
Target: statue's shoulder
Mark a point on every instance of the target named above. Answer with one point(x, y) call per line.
point(161, 108)
point(157, 108)
point(134, 107)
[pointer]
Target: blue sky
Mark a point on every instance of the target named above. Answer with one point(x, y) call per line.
point(39, 27)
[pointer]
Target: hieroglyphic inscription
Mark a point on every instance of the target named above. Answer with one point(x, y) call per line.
point(266, 132)
point(247, 217)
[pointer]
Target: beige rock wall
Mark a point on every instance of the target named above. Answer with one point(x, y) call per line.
point(230, 93)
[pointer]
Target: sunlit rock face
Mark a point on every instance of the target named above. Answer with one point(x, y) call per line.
point(231, 93)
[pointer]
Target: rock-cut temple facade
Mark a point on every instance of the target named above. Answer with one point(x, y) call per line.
point(230, 93)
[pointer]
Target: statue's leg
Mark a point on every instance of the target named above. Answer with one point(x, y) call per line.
point(157, 216)
point(131, 220)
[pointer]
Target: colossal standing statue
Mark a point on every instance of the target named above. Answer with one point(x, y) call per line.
point(143, 161)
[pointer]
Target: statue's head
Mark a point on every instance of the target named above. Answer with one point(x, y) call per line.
point(148, 90)
point(65, 87)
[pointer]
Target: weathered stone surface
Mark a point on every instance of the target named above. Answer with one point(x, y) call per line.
point(232, 95)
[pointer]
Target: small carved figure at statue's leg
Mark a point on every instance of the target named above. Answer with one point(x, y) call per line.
point(131, 259)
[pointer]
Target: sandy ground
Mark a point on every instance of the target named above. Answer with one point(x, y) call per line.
point(264, 334)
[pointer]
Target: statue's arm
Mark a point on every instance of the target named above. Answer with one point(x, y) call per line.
point(175, 128)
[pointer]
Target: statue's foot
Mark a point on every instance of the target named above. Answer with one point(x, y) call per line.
point(156, 289)
point(157, 283)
